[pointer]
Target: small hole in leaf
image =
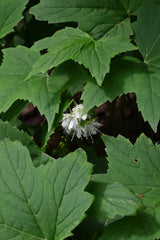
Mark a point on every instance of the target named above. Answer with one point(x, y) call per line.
point(136, 160)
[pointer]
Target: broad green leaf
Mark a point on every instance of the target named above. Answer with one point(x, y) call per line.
point(95, 17)
point(71, 43)
point(41, 203)
point(43, 90)
point(146, 30)
point(138, 168)
point(112, 200)
point(11, 14)
point(135, 166)
point(140, 227)
point(128, 75)
point(13, 133)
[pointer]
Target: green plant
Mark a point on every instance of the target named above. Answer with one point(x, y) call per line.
point(51, 51)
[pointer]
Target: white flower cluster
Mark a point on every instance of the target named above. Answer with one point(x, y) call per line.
point(74, 123)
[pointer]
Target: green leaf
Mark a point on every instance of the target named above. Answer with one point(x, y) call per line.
point(71, 43)
point(135, 166)
point(95, 17)
point(140, 227)
point(128, 75)
point(138, 168)
point(46, 202)
point(112, 200)
point(15, 67)
point(11, 14)
point(146, 30)
point(13, 133)
point(43, 90)
point(94, 95)
point(121, 79)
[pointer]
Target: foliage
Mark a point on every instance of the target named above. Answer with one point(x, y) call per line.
point(39, 204)
point(56, 55)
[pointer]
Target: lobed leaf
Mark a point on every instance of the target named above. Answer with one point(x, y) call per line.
point(71, 43)
point(135, 166)
point(43, 90)
point(41, 203)
point(138, 168)
point(128, 75)
point(95, 17)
